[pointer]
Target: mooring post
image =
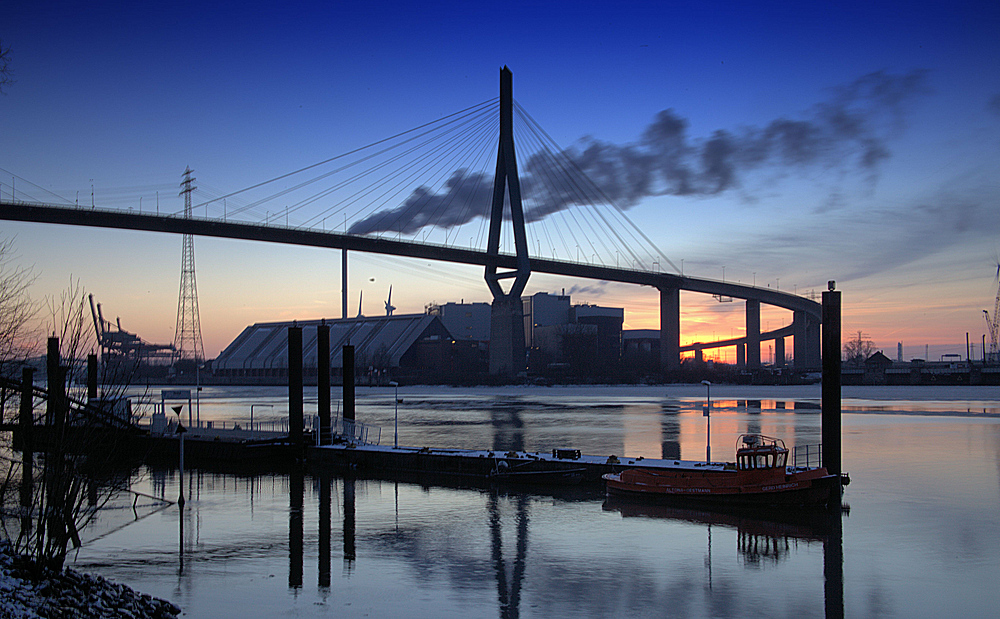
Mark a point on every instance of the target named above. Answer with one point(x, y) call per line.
point(91, 377)
point(323, 381)
point(831, 381)
point(51, 377)
point(348, 358)
point(295, 383)
point(27, 446)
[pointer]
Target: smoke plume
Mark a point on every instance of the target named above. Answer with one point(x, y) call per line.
point(849, 130)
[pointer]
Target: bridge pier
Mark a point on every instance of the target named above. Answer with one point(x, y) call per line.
point(507, 337)
point(741, 355)
point(805, 334)
point(670, 329)
point(779, 352)
point(753, 334)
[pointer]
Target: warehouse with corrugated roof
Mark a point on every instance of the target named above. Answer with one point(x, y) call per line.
point(414, 346)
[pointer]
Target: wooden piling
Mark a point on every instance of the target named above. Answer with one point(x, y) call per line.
point(295, 383)
point(51, 377)
point(92, 377)
point(348, 357)
point(27, 444)
point(831, 381)
point(323, 381)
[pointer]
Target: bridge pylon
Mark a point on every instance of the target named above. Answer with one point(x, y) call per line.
point(507, 356)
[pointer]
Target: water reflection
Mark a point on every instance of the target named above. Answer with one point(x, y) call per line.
point(508, 428)
point(324, 529)
point(435, 550)
point(670, 431)
point(761, 538)
point(350, 551)
point(508, 593)
point(296, 492)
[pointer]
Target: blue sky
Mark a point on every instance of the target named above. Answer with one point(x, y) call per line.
point(122, 97)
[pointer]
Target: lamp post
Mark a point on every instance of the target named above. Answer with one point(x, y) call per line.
point(197, 393)
point(395, 419)
point(180, 430)
point(707, 412)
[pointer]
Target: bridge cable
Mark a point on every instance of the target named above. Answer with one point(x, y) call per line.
point(356, 150)
point(621, 211)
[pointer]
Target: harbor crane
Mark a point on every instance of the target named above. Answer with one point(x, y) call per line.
point(993, 324)
point(116, 341)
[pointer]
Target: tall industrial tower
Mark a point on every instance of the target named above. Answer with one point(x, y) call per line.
point(187, 336)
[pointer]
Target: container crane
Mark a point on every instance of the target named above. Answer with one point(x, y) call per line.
point(993, 324)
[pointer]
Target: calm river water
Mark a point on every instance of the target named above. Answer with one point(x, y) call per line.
point(922, 537)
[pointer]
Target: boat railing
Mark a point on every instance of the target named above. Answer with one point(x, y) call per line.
point(807, 456)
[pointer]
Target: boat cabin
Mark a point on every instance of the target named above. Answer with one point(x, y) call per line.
point(756, 451)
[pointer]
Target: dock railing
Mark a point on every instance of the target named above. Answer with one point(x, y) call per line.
point(807, 455)
point(358, 432)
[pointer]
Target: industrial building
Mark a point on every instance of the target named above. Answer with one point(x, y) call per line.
point(465, 321)
point(448, 343)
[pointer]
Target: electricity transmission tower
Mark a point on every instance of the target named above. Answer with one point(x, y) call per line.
point(187, 335)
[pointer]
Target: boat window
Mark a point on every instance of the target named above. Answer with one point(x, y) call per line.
point(782, 459)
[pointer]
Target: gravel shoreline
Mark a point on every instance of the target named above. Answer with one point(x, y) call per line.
point(70, 594)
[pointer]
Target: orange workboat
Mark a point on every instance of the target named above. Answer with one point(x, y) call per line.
point(760, 476)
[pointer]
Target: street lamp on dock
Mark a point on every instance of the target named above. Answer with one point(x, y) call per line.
point(707, 412)
point(180, 431)
point(395, 419)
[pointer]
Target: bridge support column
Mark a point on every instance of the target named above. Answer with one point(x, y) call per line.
point(799, 339)
point(670, 329)
point(779, 352)
point(507, 336)
point(741, 355)
point(753, 334)
point(343, 284)
point(805, 331)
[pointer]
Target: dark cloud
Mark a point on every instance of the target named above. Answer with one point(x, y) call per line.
point(849, 130)
point(959, 213)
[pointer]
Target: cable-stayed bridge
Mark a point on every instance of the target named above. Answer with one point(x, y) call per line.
point(423, 192)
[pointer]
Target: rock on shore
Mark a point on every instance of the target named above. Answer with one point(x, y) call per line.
point(70, 594)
